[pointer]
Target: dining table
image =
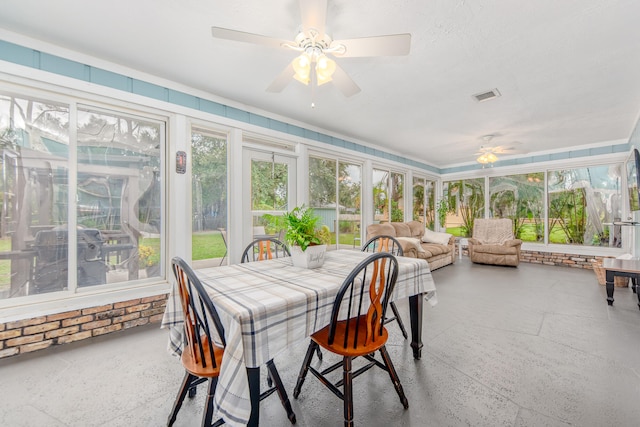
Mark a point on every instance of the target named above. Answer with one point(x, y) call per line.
point(268, 306)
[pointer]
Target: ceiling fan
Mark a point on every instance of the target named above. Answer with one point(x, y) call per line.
point(315, 48)
point(488, 152)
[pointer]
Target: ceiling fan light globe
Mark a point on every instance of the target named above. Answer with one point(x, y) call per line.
point(325, 66)
point(302, 79)
point(302, 67)
point(487, 158)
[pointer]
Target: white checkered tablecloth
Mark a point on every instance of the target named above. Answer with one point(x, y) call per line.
point(267, 306)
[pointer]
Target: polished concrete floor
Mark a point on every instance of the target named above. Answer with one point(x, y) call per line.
point(532, 346)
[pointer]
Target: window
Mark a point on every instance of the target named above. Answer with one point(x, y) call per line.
point(34, 138)
point(424, 201)
point(388, 196)
point(119, 195)
point(583, 203)
point(520, 198)
point(463, 202)
point(209, 195)
point(342, 214)
point(101, 188)
point(270, 192)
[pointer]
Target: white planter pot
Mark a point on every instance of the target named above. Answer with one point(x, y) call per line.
point(313, 257)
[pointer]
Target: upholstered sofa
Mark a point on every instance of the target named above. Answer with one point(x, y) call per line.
point(493, 242)
point(411, 236)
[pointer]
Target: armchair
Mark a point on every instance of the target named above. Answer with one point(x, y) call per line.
point(493, 243)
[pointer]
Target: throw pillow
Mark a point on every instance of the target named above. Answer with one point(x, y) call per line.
point(411, 242)
point(436, 237)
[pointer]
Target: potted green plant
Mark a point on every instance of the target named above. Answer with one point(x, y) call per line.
point(307, 243)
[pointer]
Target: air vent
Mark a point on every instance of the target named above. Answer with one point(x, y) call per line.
point(485, 96)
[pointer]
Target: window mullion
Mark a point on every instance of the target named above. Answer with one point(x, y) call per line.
point(72, 194)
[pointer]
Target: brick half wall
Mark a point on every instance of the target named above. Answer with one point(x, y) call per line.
point(25, 336)
point(553, 258)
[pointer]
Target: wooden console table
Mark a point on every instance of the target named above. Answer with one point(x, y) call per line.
point(621, 267)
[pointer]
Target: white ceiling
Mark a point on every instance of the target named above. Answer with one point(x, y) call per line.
point(568, 70)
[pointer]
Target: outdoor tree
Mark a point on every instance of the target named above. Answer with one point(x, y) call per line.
point(322, 182)
point(269, 181)
point(468, 198)
point(209, 181)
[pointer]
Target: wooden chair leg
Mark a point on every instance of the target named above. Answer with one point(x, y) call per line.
point(394, 376)
point(207, 415)
point(282, 393)
point(184, 388)
point(319, 353)
point(348, 392)
point(399, 319)
point(305, 368)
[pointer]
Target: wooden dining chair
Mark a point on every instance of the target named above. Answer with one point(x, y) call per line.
point(356, 329)
point(264, 248)
point(392, 245)
point(201, 356)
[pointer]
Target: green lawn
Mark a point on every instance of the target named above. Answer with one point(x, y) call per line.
point(207, 244)
point(527, 234)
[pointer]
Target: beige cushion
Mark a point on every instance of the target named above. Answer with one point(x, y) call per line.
point(435, 237)
point(493, 231)
point(417, 228)
point(402, 229)
point(385, 229)
point(435, 248)
point(410, 242)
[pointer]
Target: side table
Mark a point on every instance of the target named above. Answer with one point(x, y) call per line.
point(621, 267)
point(459, 242)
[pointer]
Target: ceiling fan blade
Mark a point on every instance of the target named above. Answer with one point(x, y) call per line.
point(240, 36)
point(389, 45)
point(344, 83)
point(282, 80)
point(314, 15)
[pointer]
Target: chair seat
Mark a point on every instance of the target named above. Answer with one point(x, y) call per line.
point(364, 346)
point(435, 249)
point(199, 369)
point(495, 249)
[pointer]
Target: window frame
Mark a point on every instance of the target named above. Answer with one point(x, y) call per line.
point(76, 296)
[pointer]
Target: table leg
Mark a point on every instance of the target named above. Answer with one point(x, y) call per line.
point(609, 275)
point(415, 312)
point(254, 392)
